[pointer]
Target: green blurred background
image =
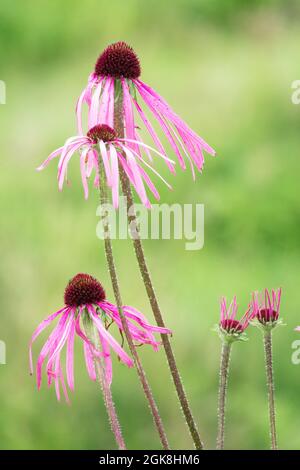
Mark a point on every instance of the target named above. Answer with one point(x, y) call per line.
point(227, 69)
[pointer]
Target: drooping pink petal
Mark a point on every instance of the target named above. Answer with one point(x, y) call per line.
point(79, 111)
point(85, 97)
point(94, 108)
point(92, 162)
point(48, 159)
point(65, 158)
point(38, 331)
point(148, 94)
point(70, 355)
point(138, 138)
point(136, 175)
point(149, 183)
point(89, 361)
point(49, 345)
point(110, 339)
point(128, 111)
point(167, 132)
point(107, 360)
point(133, 313)
point(56, 380)
point(151, 131)
point(105, 160)
point(60, 341)
point(106, 108)
point(151, 168)
point(83, 172)
point(83, 336)
point(144, 335)
point(63, 385)
point(142, 144)
point(114, 175)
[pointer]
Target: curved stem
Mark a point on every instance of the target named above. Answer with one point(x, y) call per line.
point(115, 284)
point(145, 273)
point(106, 390)
point(271, 389)
point(224, 370)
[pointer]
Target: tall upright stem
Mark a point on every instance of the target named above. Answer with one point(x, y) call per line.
point(106, 390)
point(145, 273)
point(115, 284)
point(271, 389)
point(224, 369)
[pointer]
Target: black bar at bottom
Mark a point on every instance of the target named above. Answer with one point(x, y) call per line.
point(136, 458)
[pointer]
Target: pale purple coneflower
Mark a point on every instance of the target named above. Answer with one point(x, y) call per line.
point(117, 72)
point(265, 315)
point(85, 297)
point(102, 142)
point(230, 329)
point(88, 314)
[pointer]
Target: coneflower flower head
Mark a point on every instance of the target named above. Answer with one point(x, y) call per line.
point(265, 309)
point(102, 142)
point(85, 301)
point(118, 69)
point(229, 328)
point(118, 60)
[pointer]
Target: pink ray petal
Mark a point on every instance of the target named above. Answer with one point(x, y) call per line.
point(59, 343)
point(70, 355)
point(49, 345)
point(94, 108)
point(62, 168)
point(107, 359)
point(106, 108)
point(110, 339)
point(149, 94)
point(136, 174)
point(105, 159)
point(83, 336)
point(114, 175)
point(51, 156)
point(38, 331)
point(128, 115)
point(83, 173)
point(89, 361)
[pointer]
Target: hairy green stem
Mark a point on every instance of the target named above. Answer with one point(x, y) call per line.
point(146, 277)
point(224, 370)
point(106, 390)
point(271, 389)
point(115, 284)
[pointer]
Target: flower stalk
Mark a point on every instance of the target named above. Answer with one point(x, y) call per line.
point(105, 387)
point(145, 273)
point(270, 386)
point(115, 284)
point(224, 370)
point(266, 316)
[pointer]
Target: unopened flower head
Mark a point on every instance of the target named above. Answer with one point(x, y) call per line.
point(117, 73)
point(85, 300)
point(265, 308)
point(102, 142)
point(229, 328)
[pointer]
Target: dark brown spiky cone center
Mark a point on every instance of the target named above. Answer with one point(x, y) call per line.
point(101, 132)
point(118, 60)
point(231, 326)
point(267, 315)
point(83, 289)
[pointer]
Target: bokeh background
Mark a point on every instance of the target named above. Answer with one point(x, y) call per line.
point(227, 69)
